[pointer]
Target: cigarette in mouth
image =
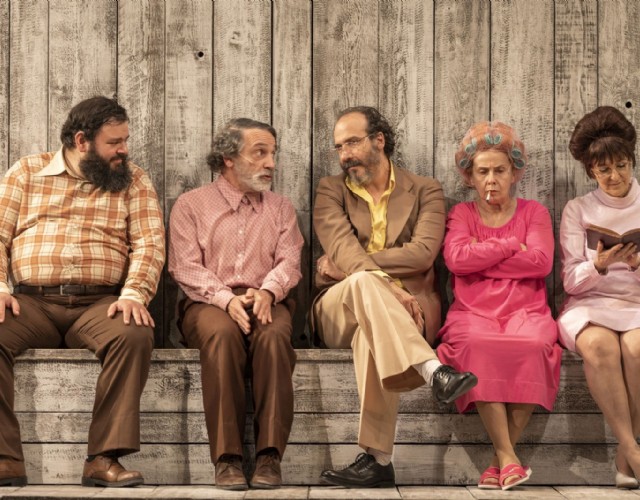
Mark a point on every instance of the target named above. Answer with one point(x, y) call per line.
point(488, 197)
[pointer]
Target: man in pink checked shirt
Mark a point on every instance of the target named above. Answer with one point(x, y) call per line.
point(235, 252)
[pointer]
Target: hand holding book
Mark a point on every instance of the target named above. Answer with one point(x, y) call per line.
point(610, 238)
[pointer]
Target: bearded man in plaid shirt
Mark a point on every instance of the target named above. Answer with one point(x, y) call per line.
point(82, 241)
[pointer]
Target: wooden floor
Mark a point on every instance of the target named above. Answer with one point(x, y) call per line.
point(320, 493)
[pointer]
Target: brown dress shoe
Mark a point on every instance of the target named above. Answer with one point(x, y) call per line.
point(267, 475)
point(229, 474)
point(107, 471)
point(12, 472)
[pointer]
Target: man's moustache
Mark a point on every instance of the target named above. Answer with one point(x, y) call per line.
point(353, 163)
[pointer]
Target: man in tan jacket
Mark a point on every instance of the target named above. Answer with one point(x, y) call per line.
point(381, 228)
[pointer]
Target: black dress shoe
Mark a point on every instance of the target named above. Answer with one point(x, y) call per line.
point(365, 472)
point(449, 384)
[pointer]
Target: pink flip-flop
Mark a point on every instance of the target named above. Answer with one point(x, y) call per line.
point(490, 473)
point(522, 473)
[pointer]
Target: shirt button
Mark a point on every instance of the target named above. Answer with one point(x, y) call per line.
point(240, 232)
point(238, 276)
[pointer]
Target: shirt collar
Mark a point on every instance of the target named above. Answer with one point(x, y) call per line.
point(56, 166)
point(234, 196)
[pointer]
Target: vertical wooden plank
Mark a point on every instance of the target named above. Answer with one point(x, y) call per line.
point(141, 90)
point(345, 73)
point(461, 97)
point(188, 112)
point(242, 63)
point(522, 86)
point(406, 79)
point(618, 68)
point(461, 85)
point(4, 85)
point(345, 70)
point(291, 114)
point(575, 95)
point(82, 56)
point(28, 78)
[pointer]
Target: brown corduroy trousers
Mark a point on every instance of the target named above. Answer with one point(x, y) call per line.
point(224, 354)
point(81, 322)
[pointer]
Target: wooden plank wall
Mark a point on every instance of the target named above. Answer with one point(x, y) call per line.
point(433, 67)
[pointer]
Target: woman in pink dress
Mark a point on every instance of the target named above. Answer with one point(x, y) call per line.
point(600, 318)
point(499, 250)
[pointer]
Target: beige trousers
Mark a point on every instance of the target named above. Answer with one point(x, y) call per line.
point(361, 312)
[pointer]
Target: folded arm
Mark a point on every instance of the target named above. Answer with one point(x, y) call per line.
point(500, 258)
point(336, 234)
point(418, 254)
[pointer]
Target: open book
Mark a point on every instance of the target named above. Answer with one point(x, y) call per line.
point(610, 238)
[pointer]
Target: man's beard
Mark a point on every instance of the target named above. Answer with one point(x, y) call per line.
point(359, 179)
point(253, 180)
point(101, 174)
point(258, 184)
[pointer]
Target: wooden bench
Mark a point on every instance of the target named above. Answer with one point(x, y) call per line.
point(55, 392)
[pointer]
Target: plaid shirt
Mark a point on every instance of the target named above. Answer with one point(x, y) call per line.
point(57, 229)
point(221, 239)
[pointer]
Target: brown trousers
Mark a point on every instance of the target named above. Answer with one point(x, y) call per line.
point(124, 352)
point(361, 313)
point(224, 354)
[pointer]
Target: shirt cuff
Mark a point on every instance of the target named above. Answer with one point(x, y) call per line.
point(275, 289)
point(4, 288)
point(131, 294)
point(221, 299)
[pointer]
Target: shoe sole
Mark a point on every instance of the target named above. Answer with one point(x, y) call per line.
point(466, 385)
point(14, 481)
point(528, 472)
point(87, 481)
point(265, 486)
point(332, 482)
point(233, 487)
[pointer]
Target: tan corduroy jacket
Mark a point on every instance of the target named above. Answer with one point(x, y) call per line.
point(415, 229)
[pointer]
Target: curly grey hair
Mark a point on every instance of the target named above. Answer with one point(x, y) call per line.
point(228, 142)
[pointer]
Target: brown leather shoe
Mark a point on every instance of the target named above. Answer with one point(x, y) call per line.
point(107, 472)
point(229, 474)
point(12, 472)
point(267, 475)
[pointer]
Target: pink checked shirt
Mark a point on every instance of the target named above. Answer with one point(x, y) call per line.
point(221, 239)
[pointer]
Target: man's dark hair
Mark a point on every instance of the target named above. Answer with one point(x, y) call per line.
point(227, 143)
point(375, 123)
point(89, 116)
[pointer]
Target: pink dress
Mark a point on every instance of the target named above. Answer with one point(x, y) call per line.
point(499, 325)
point(611, 300)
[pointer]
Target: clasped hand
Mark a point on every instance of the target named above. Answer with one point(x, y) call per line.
point(328, 269)
point(628, 254)
point(257, 301)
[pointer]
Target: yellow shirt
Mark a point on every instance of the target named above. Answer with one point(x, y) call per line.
point(378, 215)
